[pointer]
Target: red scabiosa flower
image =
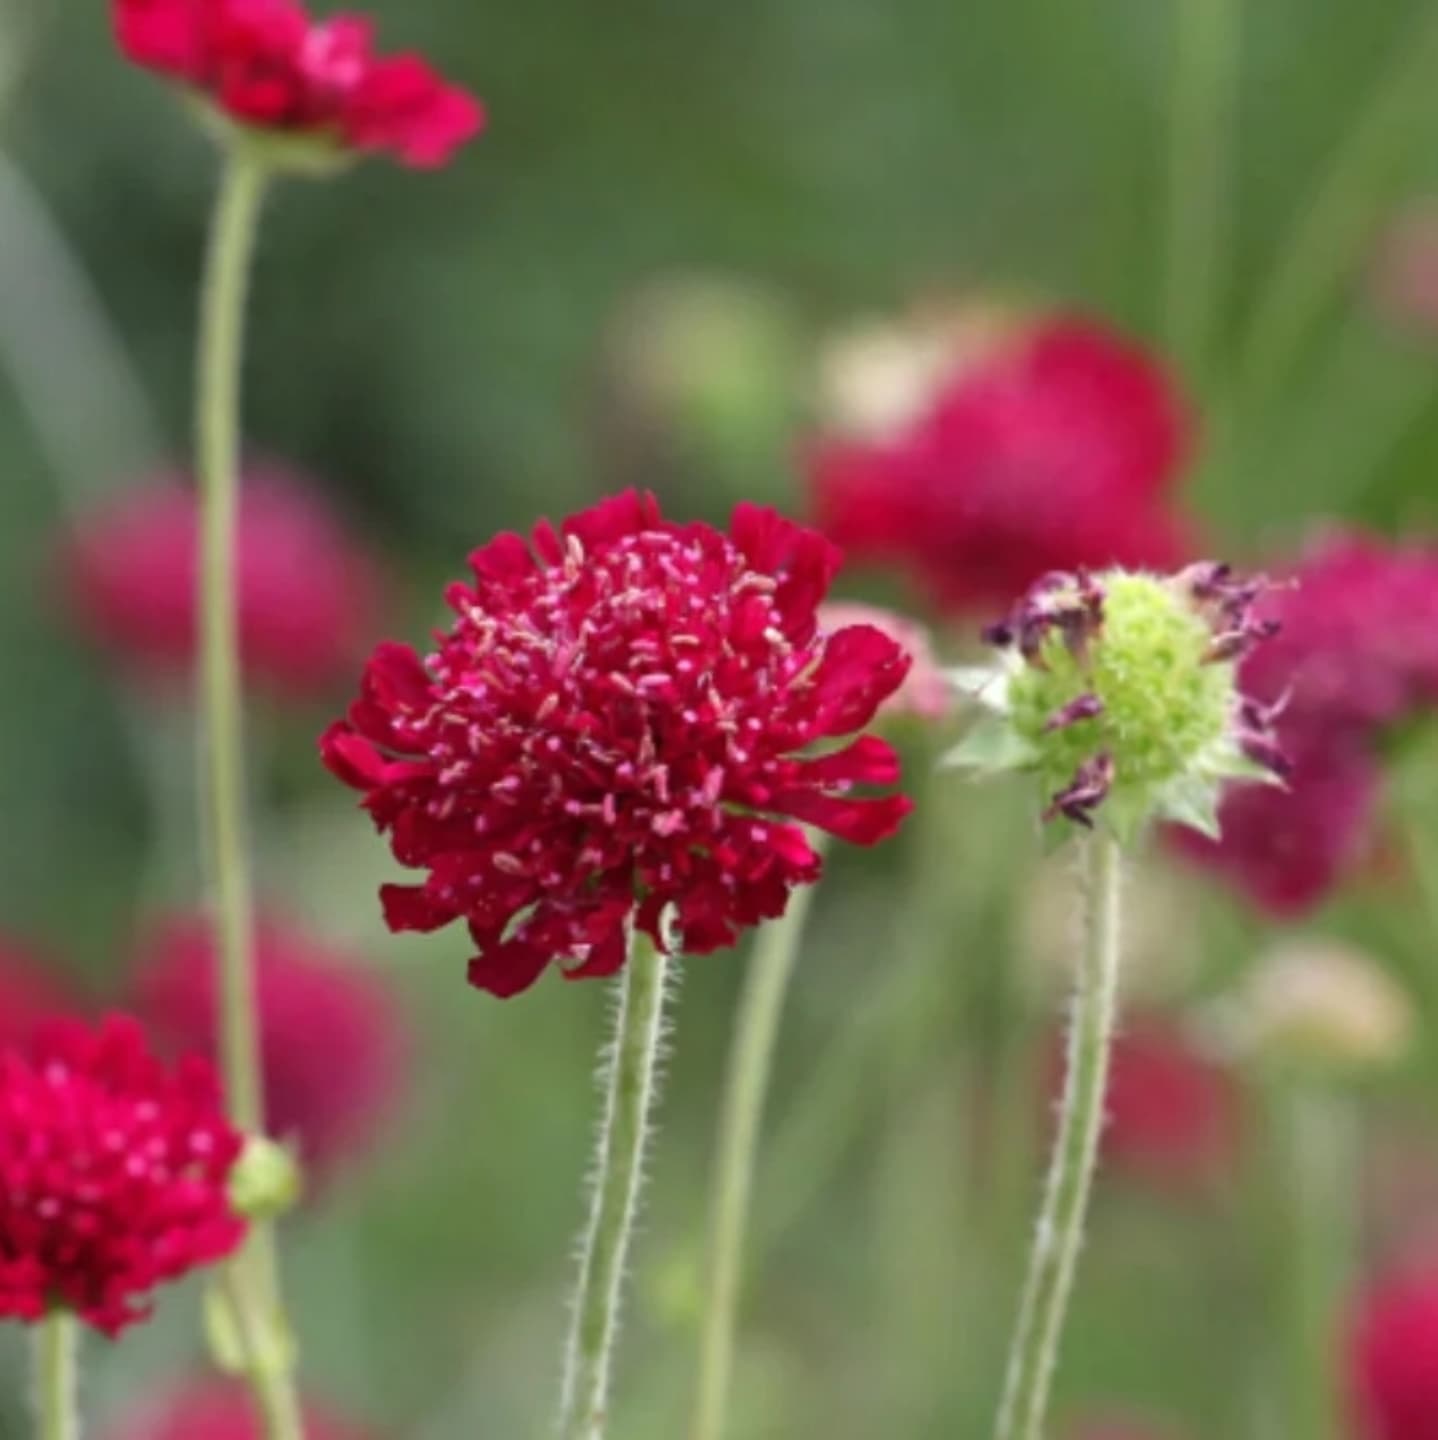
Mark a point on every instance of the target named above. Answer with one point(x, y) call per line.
point(1049, 446)
point(332, 1048)
point(1393, 1359)
point(1172, 1113)
point(1356, 653)
point(925, 693)
point(30, 995)
point(113, 1173)
point(308, 593)
point(267, 66)
point(618, 727)
point(220, 1410)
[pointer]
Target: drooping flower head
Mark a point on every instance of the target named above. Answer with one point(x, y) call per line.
point(332, 1045)
point(616, 729)
point(268, 67)
point(1119, 690)
point(1393, 1356)
point(307, 592)
point(925, 693)
point(984, 465)
point(1171, 1112)
point(31, 995)
point(221, 1410)
point(1356, 654)
point(113, 1174)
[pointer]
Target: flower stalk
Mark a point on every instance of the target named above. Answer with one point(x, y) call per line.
point(56, 1377)
point(742, 1110)
point(1059, 1236)
point(631, 1082)
point(222, 809)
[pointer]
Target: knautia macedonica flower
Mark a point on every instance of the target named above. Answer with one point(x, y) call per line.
point(1393, 1357)
point(307, 592)
point(328, 1099)
point(983, 453)
point(619, 725)
point(113, 1174)
point(220, 1410)
point(267, 66)
point(1119, 692)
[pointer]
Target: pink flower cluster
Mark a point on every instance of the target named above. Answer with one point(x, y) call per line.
point(267, 64)
point(216, 1410)
point(113, 1174)
point(1356, 654)
point(614, 726)
point(1055, 449)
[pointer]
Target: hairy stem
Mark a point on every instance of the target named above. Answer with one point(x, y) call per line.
point(1061, 1221)
point(746, 1084)
point(56, 1376)
point(222, 805)
point(630, 1086)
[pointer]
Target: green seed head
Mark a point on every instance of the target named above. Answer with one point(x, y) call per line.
point(1121, 690)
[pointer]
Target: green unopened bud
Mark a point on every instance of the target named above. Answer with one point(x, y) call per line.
point(1119, 690)
point(266, 1180)
point(1317, 1008)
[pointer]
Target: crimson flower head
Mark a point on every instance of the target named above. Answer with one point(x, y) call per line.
point(220, 1410)
point(113, 1174)
point(268, 66)
point(1172, 1114)
point(1355, 653)
point(617, 730)
point(331, 1044)
point(307, 592)
point(1393, 1356)
point(1050, 446)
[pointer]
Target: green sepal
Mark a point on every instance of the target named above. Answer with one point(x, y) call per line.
point(986, 685)
point(991, 747)
point(1193, 801)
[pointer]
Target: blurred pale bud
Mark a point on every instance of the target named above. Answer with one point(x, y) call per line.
point(877, 377)
point(266, 1180)
point(925, 693)
point(699, 369)
point(1160, 950)
point(1404, 270)
point(1316, 1007)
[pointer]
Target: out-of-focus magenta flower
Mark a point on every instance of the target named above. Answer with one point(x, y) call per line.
point(31, 994)
point(1357, 652)
point(267, 65)
point(1393, 1360)
point(1172, 1113)
point(332, 1044)
point(113, 1174)
point(308, 594)
point(619, 722)
point(1117, 1427)
point(925, 694)
point(219, 1410)
point(1404, 272)
point(1054, 447)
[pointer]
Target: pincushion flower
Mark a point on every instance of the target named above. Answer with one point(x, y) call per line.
point(330, 1098)
point(113, 1174)
point(1119, 692)
point(215, 1410)
point(618, 727)
point(1357, 655)
point(269, 67)
point(925, 693)
point(1393, 1356)
point(307, 593)
point(1048, 446)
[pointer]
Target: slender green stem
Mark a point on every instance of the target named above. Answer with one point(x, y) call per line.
point(1061, 1220)
point(57, 1340)
point(746, 1084)
point(1203, 90)
point(631, 1081)
point(222, 810)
